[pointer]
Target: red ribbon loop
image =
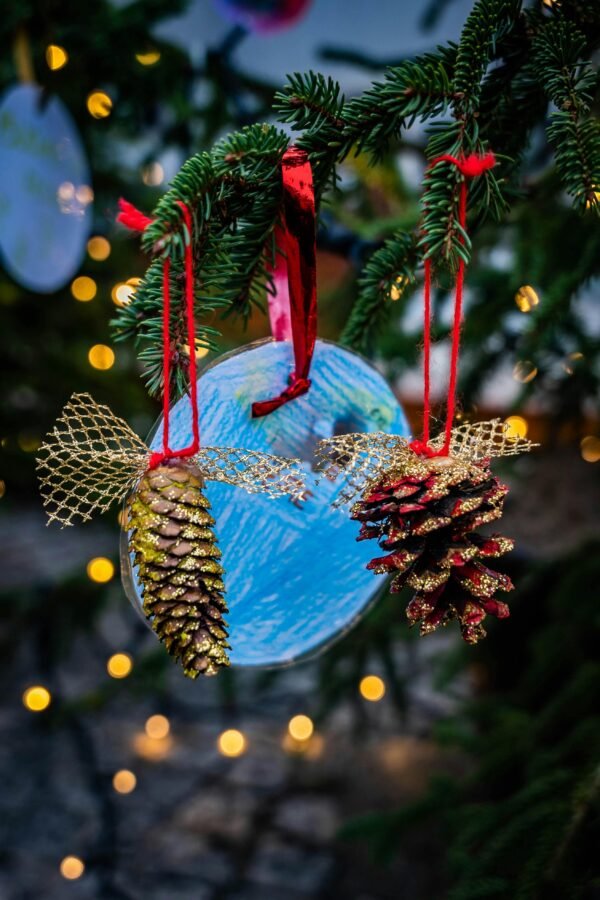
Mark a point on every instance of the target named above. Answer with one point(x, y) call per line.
point(136, 220)
point(469, 166)
point(296, 239)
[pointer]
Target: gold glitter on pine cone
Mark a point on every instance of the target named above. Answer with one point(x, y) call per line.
point(177, 558)
point(426, 522)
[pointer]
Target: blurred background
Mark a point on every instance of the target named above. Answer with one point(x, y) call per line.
point(389, 767)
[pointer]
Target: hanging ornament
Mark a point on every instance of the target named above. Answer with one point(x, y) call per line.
point(45, 191)
point(423, 501)
point(264, 16)
point(293, 563)
point(93, 458)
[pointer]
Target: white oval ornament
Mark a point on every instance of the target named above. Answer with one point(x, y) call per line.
point(295, 574)
point(45, 192)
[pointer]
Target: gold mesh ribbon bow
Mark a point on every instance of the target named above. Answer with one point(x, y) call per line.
point(92, 458)
point(363, 459)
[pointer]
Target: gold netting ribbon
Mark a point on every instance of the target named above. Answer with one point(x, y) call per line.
point(364, 459)
point(92, 458)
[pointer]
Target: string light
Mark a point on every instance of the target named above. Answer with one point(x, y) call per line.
point(150, 58)
point(37, 698)
point(29, 443)
point(201, 350)
point(98, 248)
point(84, 194)
point(101, 357)
point(526, 298)
point(84, 288)
point(300, 728)
point(99, 104)
point(119, 665)
point(590, 448)
point(153, 174)
point(517, 427)
point(372, 688)
point(153, 749)
point(123, 292)
point(570, 362)
point(72, 868)
point(231, 743)
point(525, 371)
point(56, 57)
point(124, 781)
point(397, 289)
point(100, 569)
point(157, 727)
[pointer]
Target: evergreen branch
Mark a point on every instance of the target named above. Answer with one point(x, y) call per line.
point(570, 84)
point(388, 276)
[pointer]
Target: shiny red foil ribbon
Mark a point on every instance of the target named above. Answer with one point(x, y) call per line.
point(296, 263)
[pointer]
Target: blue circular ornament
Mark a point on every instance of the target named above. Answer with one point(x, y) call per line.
point(45, 192)
point(295, 574)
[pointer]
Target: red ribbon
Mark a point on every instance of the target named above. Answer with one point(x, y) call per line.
point(296, 239)
point(469, 166)
point(135, 220)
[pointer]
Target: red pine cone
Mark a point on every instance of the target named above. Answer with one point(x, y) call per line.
point(427, 524)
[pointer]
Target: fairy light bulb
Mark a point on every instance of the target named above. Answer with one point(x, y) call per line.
point(56, 57)
point(37, 698)
point(372, 688)
point(231, 742)
point(99, 104)
point(301, 727)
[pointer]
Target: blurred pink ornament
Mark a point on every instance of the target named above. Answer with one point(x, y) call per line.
point(263, 15)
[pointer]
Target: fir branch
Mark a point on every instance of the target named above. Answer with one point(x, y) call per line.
point(570, 84)
point(388, 276)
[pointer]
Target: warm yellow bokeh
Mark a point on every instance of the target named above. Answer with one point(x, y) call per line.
point(590, 448)
point(119, 665)
point(231, 742)
point(99, 104)
point(516, 427)
point(98, 248)
point(100, 569)
point(101, 357)
point(72, 867)
point(150, 58)
point(526, 298)
point(37, 698)
point(301, 727)
point(372, 688)
point(124, 781)
point(84, 288)
point(56, 57)
point(157, 727)
point(524, 371)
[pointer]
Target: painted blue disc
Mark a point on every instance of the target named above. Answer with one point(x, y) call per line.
point(295, 577)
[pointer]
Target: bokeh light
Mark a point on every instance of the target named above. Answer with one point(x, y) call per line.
point(99, 104)
point(231, 742)
point(124, 781)
point(526, 298)
point(152, 749)
point(56, 57)
point(150, 58)
point(516, 427)
point(524, 371)
point(397, 289)
point(100, 569)
point(72, 868)
point(119, 665)
point(153, 174)
point(372, 688)
point(300, 727)
point(590, 448)
point(157, 727)
point(84, 288)
point(37, 698)
point(101, 357)
point(98, 248)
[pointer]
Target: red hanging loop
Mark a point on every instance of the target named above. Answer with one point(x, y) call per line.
point(137, 221)
point(469, 166)
point(296, 239)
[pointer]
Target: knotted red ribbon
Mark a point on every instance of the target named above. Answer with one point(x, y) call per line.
point(470, 167)
point(296, 240)
point(135, 220)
